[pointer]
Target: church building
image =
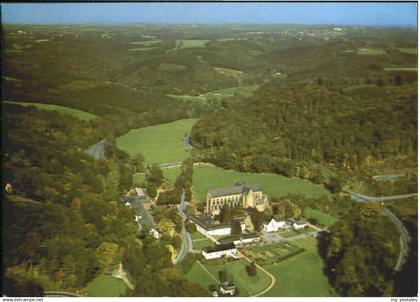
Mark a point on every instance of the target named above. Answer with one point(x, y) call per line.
point(240, 196)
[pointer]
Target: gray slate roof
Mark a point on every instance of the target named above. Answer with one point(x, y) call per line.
point(233, 190)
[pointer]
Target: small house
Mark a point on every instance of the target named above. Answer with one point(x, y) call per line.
point(274, 225)
point(227, 288)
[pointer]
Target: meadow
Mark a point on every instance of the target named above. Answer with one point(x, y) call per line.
point(409, 50)
point(105, 286)
point(301, 275)
point(74, 112)
point(163, 143)
point(206, 177)
point(400, 69)
point(370, 52)
point(322, 217)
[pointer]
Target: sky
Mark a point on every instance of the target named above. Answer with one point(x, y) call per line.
point(367, 14)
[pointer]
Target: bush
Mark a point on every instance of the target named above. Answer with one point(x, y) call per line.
point(251, 269)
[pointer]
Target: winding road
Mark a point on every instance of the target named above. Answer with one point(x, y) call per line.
point(186, 239)
point(404, 237)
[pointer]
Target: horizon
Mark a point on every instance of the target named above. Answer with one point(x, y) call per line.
point(316, 14)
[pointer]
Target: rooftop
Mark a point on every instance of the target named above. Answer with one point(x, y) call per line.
point(219, 247)
point(233, 190)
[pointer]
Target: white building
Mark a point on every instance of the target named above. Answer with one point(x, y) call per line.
point(227, 288)
point(274, 226)
point(297, 225)
point(155, 233)
point(140, 192)
point(206, 226)
point(219, 251)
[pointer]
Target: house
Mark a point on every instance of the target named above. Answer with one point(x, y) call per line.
point(298, 224)
point(227, 288)
point(240, 196)
point(219, 251)
point(274, 225)
point(155, 233)
point(208, 227)
point(240, 240)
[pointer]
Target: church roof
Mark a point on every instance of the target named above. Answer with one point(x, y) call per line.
point(233, 190)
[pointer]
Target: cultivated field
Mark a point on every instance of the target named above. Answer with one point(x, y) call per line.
point(210, 177)
point(163, 143)
point(105, 286)
point(273, 253)
point(74, 112)
point(409, 50)
point(301, 275)
point(322, 217)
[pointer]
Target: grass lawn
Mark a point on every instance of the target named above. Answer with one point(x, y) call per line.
point(197, 235)
point(190, 43)
point(74, 112)
point(322, 217)
point(138, 179)
point(400, 69)
point(300, 276)
point(171, 173)
point(199, 275)
point(210, 177)
point(105, 286)
point(410, 50)
point(289, 234)
point(199, 245)
point(370, 52)
point(236, 268)
point(163, 143)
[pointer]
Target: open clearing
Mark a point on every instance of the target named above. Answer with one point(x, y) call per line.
point(370, 52)
point(67, 110)
point(409, 50)
point(322, 217)
point(163, 143)
point(301, 275)
point(221, 93)
point(210, 177)
point(105, 286)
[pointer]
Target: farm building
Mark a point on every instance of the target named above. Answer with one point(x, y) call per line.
point(274, 225)
point(241, 196)
point(298, 224)
point(239, 240)
point(206, 225)
point(219, 251)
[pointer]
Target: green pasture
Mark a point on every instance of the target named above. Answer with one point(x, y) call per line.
point(138, 179)
point(163, 143)
point(409, 50)
point(197, 235)
point(199, 275)
point(370, 52)
point(322, 217)
point(74, 112)
point(195, 43)
point(302, 275)
point(206, 178)
point(202, 243)
point(237, 269)
point(400, 69)
point(105, 286)
point(146, 43)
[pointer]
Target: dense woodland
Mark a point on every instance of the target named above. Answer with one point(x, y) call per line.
point(323, 111)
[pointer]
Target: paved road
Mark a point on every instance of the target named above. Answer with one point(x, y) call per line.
point(404, 237)
point(60, 294)
point(187, 144)
point(97, 150)
point(186, 239)
point(387, 177)
point(364, 198)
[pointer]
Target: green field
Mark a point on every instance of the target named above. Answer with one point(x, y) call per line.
point(190, 43)
point(200, 244)
point(197, 235)
point(138, 179)
point(190, 98)
point(400, 69)
point(301, 275)
point(370, 52)
point(199, 275)
point(289, 234)
point(210, 177)
point(146, 43)
point(163, 143)
point(105, 286)
point(74, 112)
point(322, 217)
point(409, 50)
point(247, 285)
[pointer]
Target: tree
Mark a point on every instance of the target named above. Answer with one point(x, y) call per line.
point(251, 269)
point(236, 227)
point(223, 276)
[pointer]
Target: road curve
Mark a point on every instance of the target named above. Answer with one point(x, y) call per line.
point(186, 239)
